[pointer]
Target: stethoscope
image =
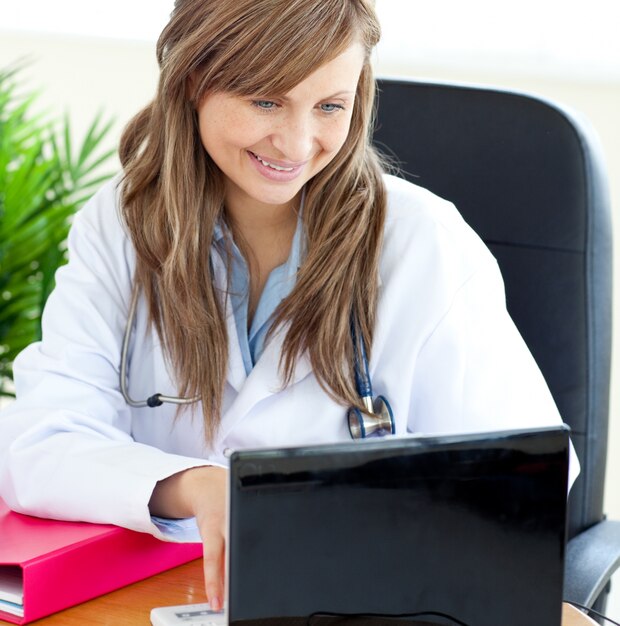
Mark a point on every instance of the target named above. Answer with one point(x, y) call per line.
point(376, 420)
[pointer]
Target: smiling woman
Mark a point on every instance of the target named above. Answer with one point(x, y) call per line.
point(255, 266)
point(213, 87)
point(287, 140)
point(269, 149)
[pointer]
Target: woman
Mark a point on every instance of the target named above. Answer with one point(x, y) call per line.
point(255, 228)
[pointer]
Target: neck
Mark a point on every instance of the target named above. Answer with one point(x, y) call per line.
point(258, 217)
point(264, 222)
point(264, 234)
point(260, 224)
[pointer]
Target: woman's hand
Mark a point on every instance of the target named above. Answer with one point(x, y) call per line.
point(199, 492)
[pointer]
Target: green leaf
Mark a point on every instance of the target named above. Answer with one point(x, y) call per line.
point(93, 138)
point(42, 184)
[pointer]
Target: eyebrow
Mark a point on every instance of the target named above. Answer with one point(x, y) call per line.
point(334, 95)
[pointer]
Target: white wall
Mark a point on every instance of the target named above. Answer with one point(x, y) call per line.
point(82, 76)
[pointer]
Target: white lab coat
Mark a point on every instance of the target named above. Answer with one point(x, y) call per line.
point(445, 354)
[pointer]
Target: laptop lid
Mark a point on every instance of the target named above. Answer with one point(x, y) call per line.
point(467, 527)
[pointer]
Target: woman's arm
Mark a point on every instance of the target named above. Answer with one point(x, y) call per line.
point(475, 373)
point(199, 492)
point(67, 449)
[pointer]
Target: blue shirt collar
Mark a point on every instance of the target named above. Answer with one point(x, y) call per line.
point(278, 286)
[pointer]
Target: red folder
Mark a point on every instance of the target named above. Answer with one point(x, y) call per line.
point(51, 565)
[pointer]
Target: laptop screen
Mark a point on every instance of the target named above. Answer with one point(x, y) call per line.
point(445, 530)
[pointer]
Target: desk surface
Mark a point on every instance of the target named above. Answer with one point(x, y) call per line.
point(131, 606)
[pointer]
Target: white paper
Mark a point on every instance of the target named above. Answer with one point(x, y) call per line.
point(13, 609)
point(11, 588)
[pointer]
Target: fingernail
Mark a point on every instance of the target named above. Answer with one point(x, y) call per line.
point(215, 604)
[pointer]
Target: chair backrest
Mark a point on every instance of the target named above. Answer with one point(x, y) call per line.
point(527, 176)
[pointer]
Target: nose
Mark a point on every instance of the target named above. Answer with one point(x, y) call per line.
point(294, 137)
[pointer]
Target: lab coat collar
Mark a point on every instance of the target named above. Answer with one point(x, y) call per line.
point(263, 382)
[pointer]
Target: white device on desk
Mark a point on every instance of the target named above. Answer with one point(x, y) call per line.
point(188, 615)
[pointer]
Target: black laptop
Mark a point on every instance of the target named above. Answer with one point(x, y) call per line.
point(434, 530)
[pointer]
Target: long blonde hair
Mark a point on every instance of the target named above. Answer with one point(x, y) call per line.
point(173, 193)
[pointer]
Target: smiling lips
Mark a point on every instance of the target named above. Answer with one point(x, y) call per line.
point(275, 170)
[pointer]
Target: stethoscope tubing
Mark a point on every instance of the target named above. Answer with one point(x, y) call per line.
point(382, 413)
point(363, 384)
point(156, 399)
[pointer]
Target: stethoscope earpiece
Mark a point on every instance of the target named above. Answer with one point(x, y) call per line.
point(376, 424)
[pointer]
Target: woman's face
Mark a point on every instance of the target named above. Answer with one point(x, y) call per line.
point(268, 147)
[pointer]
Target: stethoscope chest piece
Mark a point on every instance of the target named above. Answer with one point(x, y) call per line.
point(379, 423)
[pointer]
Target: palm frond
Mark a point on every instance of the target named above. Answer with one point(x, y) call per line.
point(43, 182)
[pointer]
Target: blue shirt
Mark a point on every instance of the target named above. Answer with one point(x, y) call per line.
point(280, 283)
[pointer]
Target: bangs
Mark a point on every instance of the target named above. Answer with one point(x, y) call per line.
point(274, 45)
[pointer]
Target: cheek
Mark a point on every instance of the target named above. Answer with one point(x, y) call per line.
point(334, 137)
point(222, 132)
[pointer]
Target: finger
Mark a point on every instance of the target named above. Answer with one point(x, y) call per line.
point(213, 560)
point(223, 572)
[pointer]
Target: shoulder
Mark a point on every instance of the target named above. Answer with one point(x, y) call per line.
point(100, 223)
point(102, 210)
point(413, 211)
point(98, 236)
point(424, 229)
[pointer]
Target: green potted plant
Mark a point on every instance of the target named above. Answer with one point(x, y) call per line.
point(43, 181)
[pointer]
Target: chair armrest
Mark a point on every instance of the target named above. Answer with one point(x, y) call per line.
point(591, 558)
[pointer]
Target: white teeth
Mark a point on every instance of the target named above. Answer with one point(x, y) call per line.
point(274, 167)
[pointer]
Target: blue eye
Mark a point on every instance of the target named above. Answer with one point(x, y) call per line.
point(265, 105)
point(330, 107)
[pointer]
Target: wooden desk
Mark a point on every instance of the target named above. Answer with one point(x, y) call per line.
point(131, 606)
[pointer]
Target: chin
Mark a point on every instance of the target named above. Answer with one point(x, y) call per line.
point(278, 197)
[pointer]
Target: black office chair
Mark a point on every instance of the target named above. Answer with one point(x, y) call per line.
point(527, 176)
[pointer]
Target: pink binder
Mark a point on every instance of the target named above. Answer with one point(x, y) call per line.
point(54, 565)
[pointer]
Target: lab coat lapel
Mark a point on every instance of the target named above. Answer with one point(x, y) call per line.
point(235, 375)
point(266, 372)
point(264, 381)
